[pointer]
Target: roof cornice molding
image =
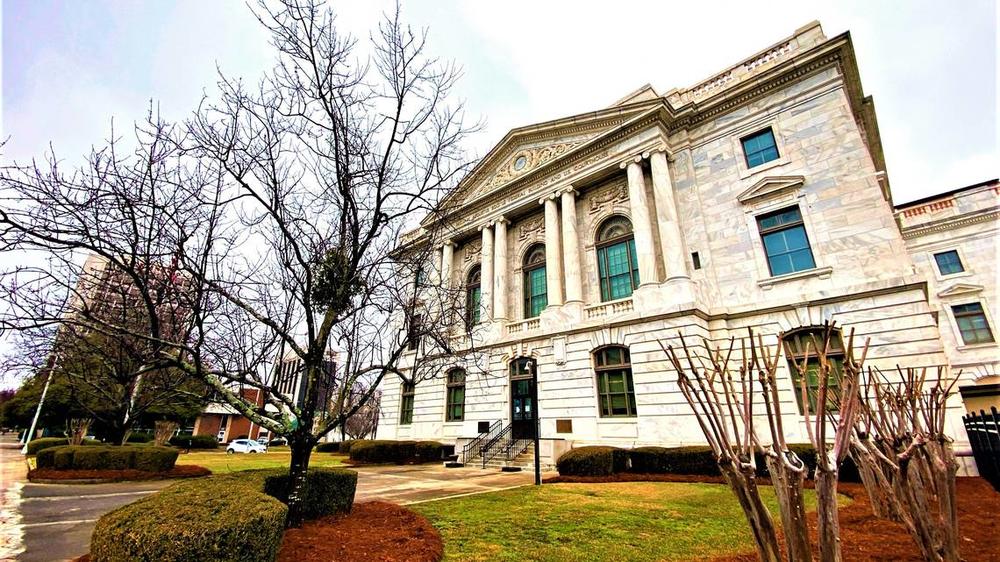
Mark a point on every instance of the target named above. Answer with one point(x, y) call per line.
point(949, 223)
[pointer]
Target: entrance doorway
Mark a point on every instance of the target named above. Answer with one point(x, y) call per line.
point(523, 397)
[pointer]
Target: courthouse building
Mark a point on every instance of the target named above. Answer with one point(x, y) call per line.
point(757, 198)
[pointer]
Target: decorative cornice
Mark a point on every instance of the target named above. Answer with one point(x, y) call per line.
point(916, 231)
point(960, 289)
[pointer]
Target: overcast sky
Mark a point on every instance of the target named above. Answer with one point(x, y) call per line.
point(70, 66)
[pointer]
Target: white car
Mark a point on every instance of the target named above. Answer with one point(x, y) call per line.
point(245, 446)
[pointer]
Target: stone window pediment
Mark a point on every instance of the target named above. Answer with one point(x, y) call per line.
point(960, 289)
point(771, 186)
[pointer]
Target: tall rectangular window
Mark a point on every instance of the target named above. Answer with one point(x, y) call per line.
point(614, 382)
point(455, 408)
point(618, 268)
point(535, 292)
point(785, 241)
point(759, 148)
point(972, 323)
point(949, 262)
point(406, 403)
point(413, 332)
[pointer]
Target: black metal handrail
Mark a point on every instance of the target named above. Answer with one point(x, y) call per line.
point(517, 447)
point(498, 444)
point(475, 446)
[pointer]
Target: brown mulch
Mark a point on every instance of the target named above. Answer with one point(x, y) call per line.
point(375, 531)
point(865, 537)
point(102, 476)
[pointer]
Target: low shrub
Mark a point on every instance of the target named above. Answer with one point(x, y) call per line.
point(194, 441)
point(677, 460)
point(429, 451)
point(148, 459)
point(382, 451)
point(593, 461)
point(345, 446)
point(139, 437)
point(36, 445)
point(227, 517)
point(326, 492)
point(399, 452)
point(328, 447)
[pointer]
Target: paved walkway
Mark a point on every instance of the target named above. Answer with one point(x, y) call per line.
point(44, 522)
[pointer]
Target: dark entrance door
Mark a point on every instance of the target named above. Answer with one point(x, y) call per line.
point(523, 398)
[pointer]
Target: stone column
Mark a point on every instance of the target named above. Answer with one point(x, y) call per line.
point(447, 257)
point(500, 267)
point(571, 247)
point(671, 243)
point(553, 264)
point(486, 274)
point(641, 226)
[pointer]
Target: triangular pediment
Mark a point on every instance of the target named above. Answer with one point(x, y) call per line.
point(527, 149)
point(771, 185)
point(960, 289)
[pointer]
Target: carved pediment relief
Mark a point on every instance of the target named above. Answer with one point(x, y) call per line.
point(616, 192)
point(473, 250)
point(524, 160)
point(771, 186)
point(960, 289)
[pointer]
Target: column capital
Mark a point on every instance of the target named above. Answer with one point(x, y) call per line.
point(448, 242)
point(663, 150)
point(567, 189)
point(637, 159)
point(499, 220)
point(485, 225)
point(550, 197)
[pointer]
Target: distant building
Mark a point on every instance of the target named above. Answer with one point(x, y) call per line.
point(225, 423)
point(954, 241)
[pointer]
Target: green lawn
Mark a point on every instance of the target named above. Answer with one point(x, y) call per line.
point(617, 521)
point(276, 457)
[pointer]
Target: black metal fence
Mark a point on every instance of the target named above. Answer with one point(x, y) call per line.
point(984, 436)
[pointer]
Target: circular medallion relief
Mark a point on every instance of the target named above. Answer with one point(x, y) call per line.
point(520, 162)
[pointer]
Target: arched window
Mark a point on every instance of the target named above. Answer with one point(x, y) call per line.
point(615, 392)
point(617, 264)
point(535, 290)
point(795, 342)
point(455, 408)
point(473, 297)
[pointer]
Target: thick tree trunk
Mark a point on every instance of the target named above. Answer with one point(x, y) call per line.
point(788, 489)
point(829, 523)
point(911, 488)
point(877, 484)
point(745, 487)
point(301, 451)
point(945, 468)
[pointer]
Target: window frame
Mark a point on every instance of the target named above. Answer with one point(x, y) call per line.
point(793, 357)
point(451, 385)
point(408, 391)
point(602, 387)
point(414, 325)
point(937, 264)
point(755, 134)
point(799, 223)
point(526, 272)
point(601, 248)
point(956, 316)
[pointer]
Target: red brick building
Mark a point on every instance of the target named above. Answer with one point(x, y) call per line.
point(223, 421)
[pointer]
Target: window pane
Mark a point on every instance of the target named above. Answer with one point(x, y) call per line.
point(949, 262)
point(619, 406)
point(760, 148)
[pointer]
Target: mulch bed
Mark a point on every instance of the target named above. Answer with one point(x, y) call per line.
point(864, 536)
point(376, 531)
point(51, 475)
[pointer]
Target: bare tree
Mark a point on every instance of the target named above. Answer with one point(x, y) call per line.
point(724, 406)
point(906, 460)
point(283, 206)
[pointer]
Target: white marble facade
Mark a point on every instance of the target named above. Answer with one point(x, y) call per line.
point(674, 166)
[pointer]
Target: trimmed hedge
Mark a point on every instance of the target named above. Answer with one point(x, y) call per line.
point(149, 459)
point(345, 446)
point(328, 447)
point(593, 461)
point(326, 492)
point(194, 441)
point(36, 445)
point(139, 437)
point(695, 460)
point(399, 452)
point(223, 518)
